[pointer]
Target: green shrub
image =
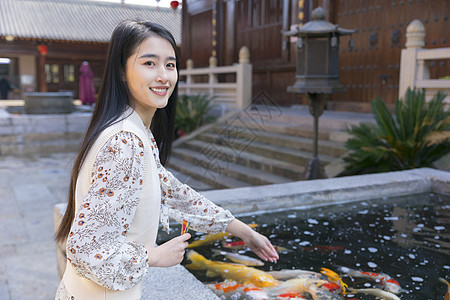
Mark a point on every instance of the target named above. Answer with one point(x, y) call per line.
point(192, 112)
point(416, 136)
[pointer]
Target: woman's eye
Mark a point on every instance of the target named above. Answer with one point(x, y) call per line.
point(171, 65)
point(149, 63)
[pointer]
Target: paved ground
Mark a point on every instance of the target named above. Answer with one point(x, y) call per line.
point(30, 186)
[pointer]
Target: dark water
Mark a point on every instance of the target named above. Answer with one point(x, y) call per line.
point(407, 238)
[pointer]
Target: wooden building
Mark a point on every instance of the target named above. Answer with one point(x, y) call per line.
point(44, 42)
point(368, 69)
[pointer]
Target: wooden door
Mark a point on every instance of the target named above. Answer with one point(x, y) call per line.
point(371, 69)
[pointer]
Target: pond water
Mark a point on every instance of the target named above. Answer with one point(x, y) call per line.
point(405, 237)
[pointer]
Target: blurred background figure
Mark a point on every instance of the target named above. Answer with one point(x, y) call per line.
point(87, 89)
point(5, 87)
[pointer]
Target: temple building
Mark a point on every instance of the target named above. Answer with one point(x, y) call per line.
point(369, 59)
point(44, 42)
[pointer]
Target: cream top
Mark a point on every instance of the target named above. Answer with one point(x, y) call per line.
point(122, 192)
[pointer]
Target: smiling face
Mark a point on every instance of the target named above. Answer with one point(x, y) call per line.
point(151, 76)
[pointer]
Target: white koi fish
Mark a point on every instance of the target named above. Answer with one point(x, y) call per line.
point(234, 290)
point(286, 274)
point(380, 294)
point(238, 258)
point(318, 289)
point(387, 282)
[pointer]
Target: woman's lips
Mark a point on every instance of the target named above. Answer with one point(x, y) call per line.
point(160, 91)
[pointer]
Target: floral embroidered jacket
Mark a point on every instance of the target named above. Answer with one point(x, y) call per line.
point(99, 247)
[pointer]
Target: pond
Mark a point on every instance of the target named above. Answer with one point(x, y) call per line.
point(405, 237)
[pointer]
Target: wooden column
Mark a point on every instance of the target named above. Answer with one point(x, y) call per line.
point(40, 72)
point(229, 27)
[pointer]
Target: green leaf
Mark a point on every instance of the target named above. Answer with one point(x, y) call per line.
point(415, 136)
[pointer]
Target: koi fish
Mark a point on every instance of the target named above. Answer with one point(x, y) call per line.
point(233, 290)
point(236, 245)
point(280, 249)
point(238, 258)
point(285, 274)
point(318, 289)
point(387, 282)
point(334, 277)
point(211, 238)
point(239, 273)
point(447, 295)
point(290, 296)
point(385, 295)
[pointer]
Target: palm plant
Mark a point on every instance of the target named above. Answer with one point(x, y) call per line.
point(192, 112)
point(416, 136)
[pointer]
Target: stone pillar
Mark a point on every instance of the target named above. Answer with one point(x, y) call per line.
point(409, 69)
point(212, 76)
point(244, 79)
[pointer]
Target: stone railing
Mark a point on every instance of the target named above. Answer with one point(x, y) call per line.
point(230, 95)
point(414, 63)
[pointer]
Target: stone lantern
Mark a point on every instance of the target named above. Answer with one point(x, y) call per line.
point(317, 71)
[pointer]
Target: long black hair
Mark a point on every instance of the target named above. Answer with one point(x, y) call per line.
point(113, 100)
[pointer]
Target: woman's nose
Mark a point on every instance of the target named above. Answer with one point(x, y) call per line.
point(162, 76)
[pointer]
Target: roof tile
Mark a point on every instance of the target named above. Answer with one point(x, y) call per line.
point(77, 20)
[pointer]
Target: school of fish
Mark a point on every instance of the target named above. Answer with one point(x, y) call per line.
point(243, 281)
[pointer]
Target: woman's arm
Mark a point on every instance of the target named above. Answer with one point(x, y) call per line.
point(255, 241)
point(97, 247)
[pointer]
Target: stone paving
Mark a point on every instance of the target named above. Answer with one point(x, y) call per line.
point(30, 187)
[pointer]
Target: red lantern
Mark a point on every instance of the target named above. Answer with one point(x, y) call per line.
point(43, 50)
point(174, 4)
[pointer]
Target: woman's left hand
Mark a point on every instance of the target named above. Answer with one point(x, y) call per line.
point(262, 247)
point(255, 241)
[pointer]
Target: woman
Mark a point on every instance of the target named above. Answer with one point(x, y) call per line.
point(119, 190)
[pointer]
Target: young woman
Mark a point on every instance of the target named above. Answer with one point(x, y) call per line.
point(119, 190)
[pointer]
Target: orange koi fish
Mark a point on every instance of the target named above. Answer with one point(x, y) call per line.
point(211, 238)
point(447, 295)
point(334, 277)
point(236, 245)
point(387, 282)
point(239, 273)
point(290, 296)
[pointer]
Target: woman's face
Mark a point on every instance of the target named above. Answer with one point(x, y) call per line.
point(151, 74)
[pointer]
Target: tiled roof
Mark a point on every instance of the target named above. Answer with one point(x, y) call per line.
point(77, 20)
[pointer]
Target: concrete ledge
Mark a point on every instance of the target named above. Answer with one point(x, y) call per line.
point(329, 191)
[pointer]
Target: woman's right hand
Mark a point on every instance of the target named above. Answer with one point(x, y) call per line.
point(170, 253)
